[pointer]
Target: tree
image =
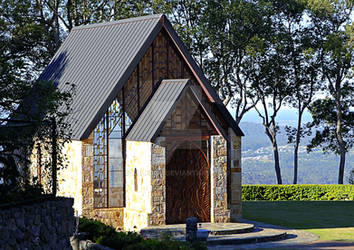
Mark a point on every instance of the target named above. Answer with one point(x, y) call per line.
point(26, 47)
point(42, 111)
point(351, 177)
point(272, 77)
point(332, 20)
point(187, 19)
point(219, 35)
point(31, 32)
point(231, 29)
point(324, 113)
point(303, 71)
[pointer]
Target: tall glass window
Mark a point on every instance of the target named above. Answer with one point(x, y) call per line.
point(115, 161)
point(100, 164)
point(108, 158)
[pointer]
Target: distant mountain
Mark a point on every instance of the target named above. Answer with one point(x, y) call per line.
point(258, 164)
point(285, 116)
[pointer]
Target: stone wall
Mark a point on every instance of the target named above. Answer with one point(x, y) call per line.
point(236, 178)
point(138, 185)
point(219, 207)
point(110, 216)
point(158, 185)
point(87, 177)
point(69, 178)
point(46, 224)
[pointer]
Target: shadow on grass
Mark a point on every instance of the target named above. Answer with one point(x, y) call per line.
point(301, 214)
point(326, 245)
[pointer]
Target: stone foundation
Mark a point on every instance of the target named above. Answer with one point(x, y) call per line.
point(110, 216)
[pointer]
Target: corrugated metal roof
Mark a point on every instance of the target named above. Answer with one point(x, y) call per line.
point(98, 59)
point(157, 109)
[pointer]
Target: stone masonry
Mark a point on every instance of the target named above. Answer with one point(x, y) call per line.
point(219, 207)
point(43, 224)
point(158, 186)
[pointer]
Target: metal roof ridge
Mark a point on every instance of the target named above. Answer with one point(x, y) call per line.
point(122, 21)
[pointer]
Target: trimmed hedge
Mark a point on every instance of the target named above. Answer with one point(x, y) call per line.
point(307, 192)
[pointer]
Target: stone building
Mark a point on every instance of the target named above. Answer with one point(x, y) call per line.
point(152, 142)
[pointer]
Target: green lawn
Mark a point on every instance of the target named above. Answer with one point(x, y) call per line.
point(331, 220)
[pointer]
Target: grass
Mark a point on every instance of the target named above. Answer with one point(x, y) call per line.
point(330, 220)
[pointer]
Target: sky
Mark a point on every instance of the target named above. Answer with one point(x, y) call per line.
point(286, 116)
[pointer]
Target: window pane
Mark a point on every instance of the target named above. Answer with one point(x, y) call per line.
point(100, 163)
point(115, 173)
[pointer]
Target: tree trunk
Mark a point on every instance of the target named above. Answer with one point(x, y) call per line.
point(296, 147)
point(276, 163)
point(341, 142)
point(273, 139)
point(341, 165)
point(56, 26)
point(69, 9)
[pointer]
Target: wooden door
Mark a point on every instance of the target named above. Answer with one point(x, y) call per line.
point(187, 184)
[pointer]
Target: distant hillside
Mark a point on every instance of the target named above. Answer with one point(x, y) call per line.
point(258, 165)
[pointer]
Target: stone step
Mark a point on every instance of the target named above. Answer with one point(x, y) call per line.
point(215, 229)
point(258, 235)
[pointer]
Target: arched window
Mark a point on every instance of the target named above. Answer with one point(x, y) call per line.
point(135, 180)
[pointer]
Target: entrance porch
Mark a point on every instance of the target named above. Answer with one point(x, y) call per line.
point(184, 179)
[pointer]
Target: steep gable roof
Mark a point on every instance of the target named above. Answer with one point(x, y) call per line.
point(99, 59)
point(161, 105)
point(157, 110)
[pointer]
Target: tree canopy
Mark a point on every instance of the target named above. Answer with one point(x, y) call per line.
point(260, 55)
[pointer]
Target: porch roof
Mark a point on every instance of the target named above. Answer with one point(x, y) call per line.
point(161, 105)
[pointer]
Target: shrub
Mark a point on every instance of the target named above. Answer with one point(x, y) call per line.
point(105, 235)
point(21, 193)
point(297, 192)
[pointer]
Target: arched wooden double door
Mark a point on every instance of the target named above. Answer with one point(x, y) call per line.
point(188, 182)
